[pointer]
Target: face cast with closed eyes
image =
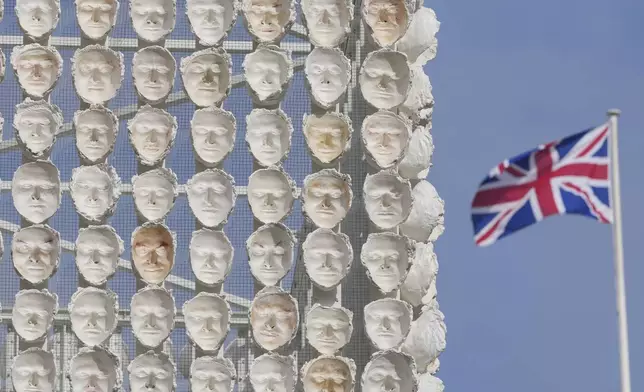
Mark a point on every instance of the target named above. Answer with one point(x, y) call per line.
point(211, 20)
point(33, 313)
point(211, 196)
point(267, 20)
point(96, 130)
point(326, 197)
point(33, 370)
point(328, 72)
point(152, 133)
point(385, 136)
point(327, 257)
point(390, 371)
point(153, 253)
point(97, 73)
point(207, 316)
point(98, 249)
point(384, 79)
point(152, 19)
point(268, 135)
point(154, 193)
point(94, 191)
point(386, 257)
point(96, 17)
point(388, 199)
point(94, 370)
point(213, 132)
point(272, 373)
point(211, 256)
point(211, 374)
point(93, 315)
point(387, 322)
point(327, 136)
point(152, 372)
point(327, 21)
point(327, 374)
point(153, 69)
point(36, 191)
point(152, 316)
point(206, 76)
point(273, 319)
point(37, 68)
point(37, 18)
point(388, 20)
point(35, 251)
point(268, 70)
point(270, 195)
point(328, 329)
point(270, 252)
point(36, 124)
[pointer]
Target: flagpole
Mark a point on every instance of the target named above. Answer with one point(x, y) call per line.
point(613, 115)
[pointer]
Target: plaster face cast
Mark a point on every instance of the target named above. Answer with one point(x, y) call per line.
point(328, 329)
point(153, 20)
point(211, 196)
point(418, 159)
point(98, 249)
point(153, 313)
point(386, 257)
point(387, 199)
point(426, 220)
point(207, 320)
point(270, 252)
point(207, 76)
point(273, 373)
point(210, 374)
point(211, 256)
point(268, 20)
point(95, 191)
point(270, 195)
point(33, 313)
point(268, 135)
point(389, 371)
point(327, 257)
point(388, 20)
point(327, 136)
point(153, 70)
point(211, 20)
point(153, 253)
point(96, 130)
point(35, 251)
point(427, 338)
point(36, 124)
point(327, 21)
point(97, 72)
point(36, 190)
point(213, 132)
point(417, 287)
point(387, 322)
point(37, 18)
point(385, 136)
point(328, 72)
point(327, 197)
point(96, 17)
point(154, 193)
point(419, 42)
point(273, 318)
point(34, 370)
point(94, 370)
point(385, 79)
point(152, 132)
point(152, 372)
point(93, 315)
point(37, 68)
point(268, 71)
point(328, 373)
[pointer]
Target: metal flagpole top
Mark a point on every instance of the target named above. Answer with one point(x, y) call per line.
point(614, 112)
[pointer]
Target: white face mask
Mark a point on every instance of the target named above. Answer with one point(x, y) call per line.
point(93, 315)
point(36, 124)
point(152, 19)
point(153, 70)
point(212, 374)
point(386, 257)
point(388, 20)
point(328, 373)
point(384, 79)
point(389, 371)
point(211, 196)
point(267, 20)
point(387, 322)
point(37, 68)
point(152, 316)
point(152, 132)
point(96, 17)
point(327, 257)
point(210, 20)
point(327, 72)
point(96, 130)
point(327, 21)
point(38, 18)
point(328, 329)
point(206, 76)
point(33, 370)
point(273, 373)
point(270, 252)
point(94, 370)
point(267, 71)
point(33, 313)
point(211, 256)
point(94, 190)
point(154, 193)
point(97, 73)
point(385, 136)
point(98, 249)
point(326, 197)
point(213, 132)
point(387, 199)
point(268, 135)
point(270, 195)
point(152, 372)
point(207, 320)
point(35, 251)
point(36, 191)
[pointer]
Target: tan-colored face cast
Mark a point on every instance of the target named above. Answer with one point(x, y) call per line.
point(153, 253)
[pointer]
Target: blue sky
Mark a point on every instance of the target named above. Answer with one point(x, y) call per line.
point(535, 311)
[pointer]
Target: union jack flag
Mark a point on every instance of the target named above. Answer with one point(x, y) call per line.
point(569, 176)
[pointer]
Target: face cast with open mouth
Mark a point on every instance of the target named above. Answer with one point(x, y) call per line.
point(37, 68)
point(36, 190)
point(268, 135)
point(93, 315)
point(153, 69)
point(152, 133)
point(94, 370)
point(388, 199)
point(327, 197)
point(154, 193)
point(98, 249)
point(385, 79)
point(206, 76)
point(386, 257)
point(211, 20)
point(387, 322)
point(35, 251)
point(327, 257)
point(34, 370)
point(152, 19)
point(97, 73)
point(153, 252)
point(270, 195)
point(96, 130)
point(328, 329)
point(37, 18)
point(327, 72)
point(152, 372)
point(213, 132)
point(270, 252)
point(33, 313)
point(153, 313)
point(207, 320)
point(96, 17)
point(267, 20)
point(268, 71)
point(273, 318)
point(327, 21)
point(388, 20)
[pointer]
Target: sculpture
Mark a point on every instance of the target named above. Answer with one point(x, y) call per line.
point(207, 76)
point(37, 68)
point(211, 256)
point(95, 191)
point(268, 135)
point(327, 136)
point(39, 18)
point(419, 42)
point(387, 258)
point(425, 221)
point(328, 328)
point(385, 78)
point(35, 251)
point(271, 193)
point(328, 72)
point(427, 338)
point(36, 124)
point(326, 197)
point(97, 252)
point(98, 73)
point(96, 18)
point(154, 193)
point(268, 71)
point(387, 198)
point(152, 132)
point(391, 371)
point(152, 371)
point(270, 251)
point(213, 132)
point(327, 257)
point(207, 318)
point(387, 19)
point(152, 313)
point(211, 20)
point(416, 163)
point(272, 372)
point(385, 136)
point(417, 287)
point(94, 369)
point(96, 131)
point(153, 20)
point(274, 318)
point(35, 189)
point(93, 313)
point(211, 196)
point(33, 313)
point(153, 249)
point(34, 369)
point(387, 322)
point(419, 105)
point(328, 21)
point(153, 71)
point(329, 373)
point(268, 20)
point(212, 374)
point(429, 383)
